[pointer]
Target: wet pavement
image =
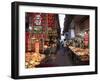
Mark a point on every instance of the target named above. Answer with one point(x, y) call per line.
point(63, 57)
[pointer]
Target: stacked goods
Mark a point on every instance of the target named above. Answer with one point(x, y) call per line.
point(82, 53)
point(33, 59)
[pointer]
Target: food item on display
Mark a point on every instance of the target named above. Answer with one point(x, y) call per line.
point(84, 57)
point(26, 63)
point(28, 57)
point(32, 62)
point(82, 53)
point(30, 66)
point(32, 59)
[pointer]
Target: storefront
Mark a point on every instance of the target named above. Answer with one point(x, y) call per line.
point(42, 27)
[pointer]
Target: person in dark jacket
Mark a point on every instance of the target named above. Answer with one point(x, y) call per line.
point(47, 51)
point(53, 48)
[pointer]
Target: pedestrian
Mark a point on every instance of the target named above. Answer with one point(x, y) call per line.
point(53, 49)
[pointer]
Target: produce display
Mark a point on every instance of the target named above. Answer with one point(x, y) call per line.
point(32, 59)
point(82, 53)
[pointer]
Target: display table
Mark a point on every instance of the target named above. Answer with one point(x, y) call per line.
point(82, 53)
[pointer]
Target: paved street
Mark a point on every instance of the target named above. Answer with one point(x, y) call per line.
point(63, 57)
